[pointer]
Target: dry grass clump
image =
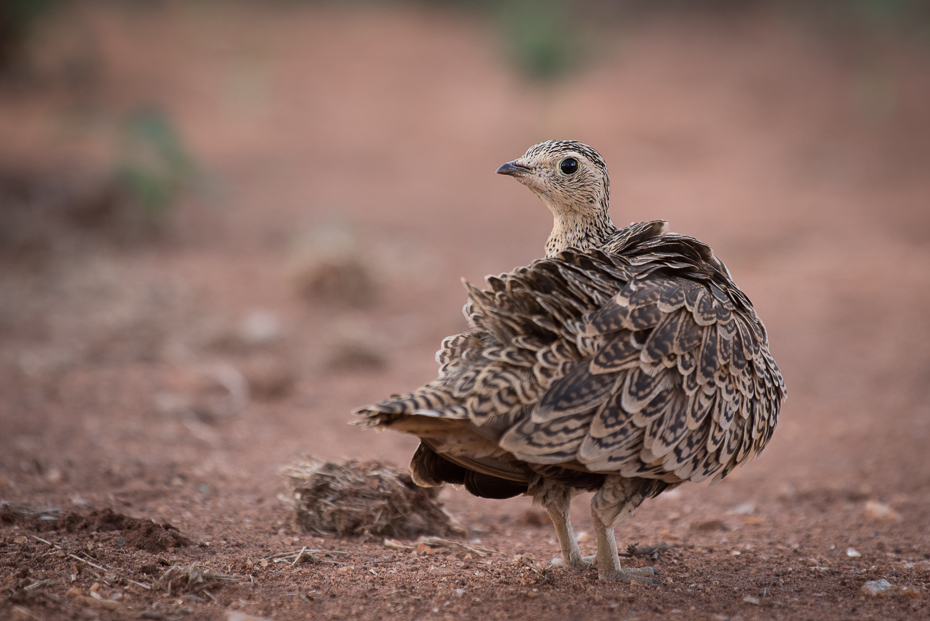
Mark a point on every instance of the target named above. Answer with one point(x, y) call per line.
point(365, 499)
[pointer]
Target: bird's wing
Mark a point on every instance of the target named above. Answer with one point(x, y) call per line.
point(680, 384)
point(642, 358)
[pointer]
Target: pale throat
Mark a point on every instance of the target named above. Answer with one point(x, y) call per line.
point(577, 229)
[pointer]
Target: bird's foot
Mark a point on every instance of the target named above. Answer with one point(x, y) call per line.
point(580, 562)
point(643, 575)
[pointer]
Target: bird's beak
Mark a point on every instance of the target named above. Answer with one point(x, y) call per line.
point(513, 169)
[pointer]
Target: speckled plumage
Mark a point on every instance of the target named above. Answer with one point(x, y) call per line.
point(624, 362)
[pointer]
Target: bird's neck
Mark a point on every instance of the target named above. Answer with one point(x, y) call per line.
point(573, 229)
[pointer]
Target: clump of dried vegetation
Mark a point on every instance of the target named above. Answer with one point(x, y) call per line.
point(365, 499)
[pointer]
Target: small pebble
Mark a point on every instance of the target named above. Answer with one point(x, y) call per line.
point(260, 327)
point(880, 512)
point(557, 561)
point(235, 615)
point(852, 553)
point(873, 588)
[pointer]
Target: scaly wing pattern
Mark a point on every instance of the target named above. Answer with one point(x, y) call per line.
point(641, 358)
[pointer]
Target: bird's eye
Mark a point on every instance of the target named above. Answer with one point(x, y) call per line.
point(568, 166)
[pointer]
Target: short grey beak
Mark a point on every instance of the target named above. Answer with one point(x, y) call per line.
point(513, 169)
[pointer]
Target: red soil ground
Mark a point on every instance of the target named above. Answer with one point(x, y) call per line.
point(374, 133)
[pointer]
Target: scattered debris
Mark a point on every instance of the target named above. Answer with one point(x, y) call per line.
point(880, 512)
point(195, 578)
point(437, 542)
point(107, 572)
point(709, 526)
point(32, 517)
point(652, 552)
point(365, 499)
point(139, 533)
point(305, 555)
point(537, 568)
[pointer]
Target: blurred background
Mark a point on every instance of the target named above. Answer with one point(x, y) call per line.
point(224, 225)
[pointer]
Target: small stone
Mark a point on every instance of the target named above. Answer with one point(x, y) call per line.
point(74, 592)
point(744, 509)
point(583, 537)
point(459, 592)
point(20, 539)
point(751, 600)
point(880, 512)
point(260, 327)
point(874, 588)
point(852, 553)
point(235, 615)
point(557, 561)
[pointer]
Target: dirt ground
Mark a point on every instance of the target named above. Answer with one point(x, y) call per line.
point(153, 385)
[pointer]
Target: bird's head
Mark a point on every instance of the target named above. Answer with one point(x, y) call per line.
point(569, 177)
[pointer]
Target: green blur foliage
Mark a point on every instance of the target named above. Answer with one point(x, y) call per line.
point(153, 166)
point(540, 37)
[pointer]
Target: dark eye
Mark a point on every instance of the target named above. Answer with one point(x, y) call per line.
point(568, 166)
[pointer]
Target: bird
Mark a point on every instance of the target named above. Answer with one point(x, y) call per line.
point(624, 362)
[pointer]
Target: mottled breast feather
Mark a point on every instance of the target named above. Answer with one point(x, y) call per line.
point(640, 357)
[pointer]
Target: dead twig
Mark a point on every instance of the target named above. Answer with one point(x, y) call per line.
point(439, 542)
point(307, 556)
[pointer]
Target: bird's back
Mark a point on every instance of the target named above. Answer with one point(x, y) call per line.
point(640, 357)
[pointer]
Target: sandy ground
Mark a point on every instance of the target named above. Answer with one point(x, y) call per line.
point(373, 134)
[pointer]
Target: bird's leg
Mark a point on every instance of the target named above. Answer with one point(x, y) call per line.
point(571, 553)
point(557, 499)
point(614, 502)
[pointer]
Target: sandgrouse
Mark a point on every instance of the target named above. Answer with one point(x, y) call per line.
point(625, 362)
